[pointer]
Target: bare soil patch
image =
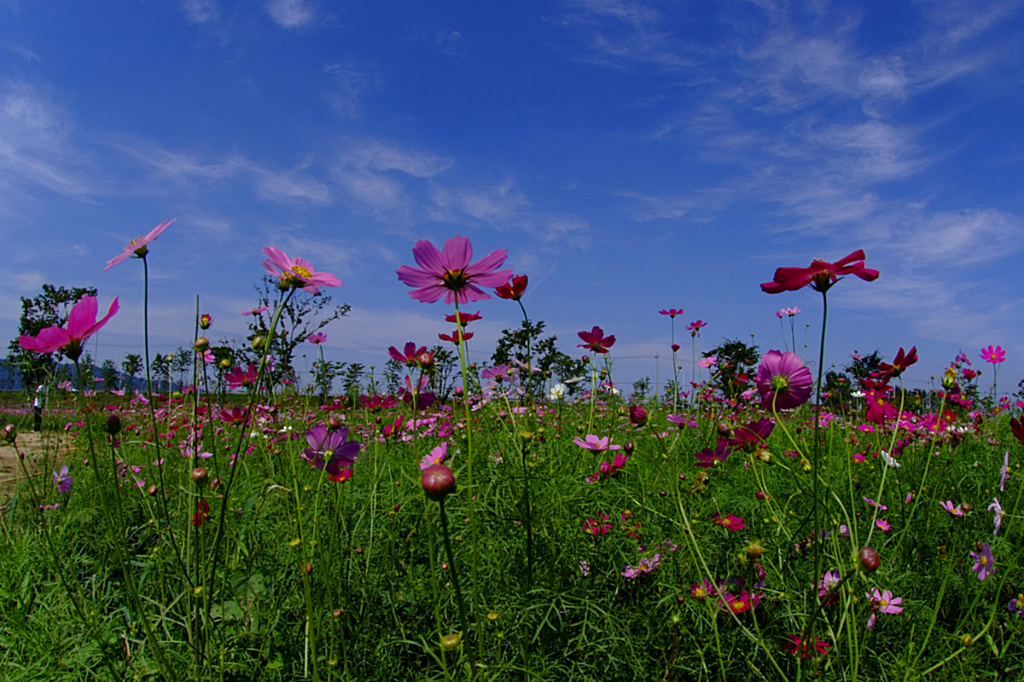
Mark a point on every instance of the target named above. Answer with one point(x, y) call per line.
point(37, 448)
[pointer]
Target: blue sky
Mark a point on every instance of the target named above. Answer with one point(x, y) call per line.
point(630, 156)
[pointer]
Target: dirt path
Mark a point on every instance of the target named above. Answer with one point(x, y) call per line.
point(37, 448)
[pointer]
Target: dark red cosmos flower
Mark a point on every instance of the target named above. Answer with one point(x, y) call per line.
point(202, 513)
point(708, 458)
point(595, 340)
point(903, 360)
point(1017, 426)
point(796, 645)
point(465, 317)
point(821, 275)
point(410, 355)
point(376, 403)
point(752, 433)
point(454, 338)
point(513, 291)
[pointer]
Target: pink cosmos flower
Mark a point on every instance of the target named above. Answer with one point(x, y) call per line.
point(695, 327)
point(707, 361)
point(317, 339)
point(138, 247)
point(731, 522)
point(646, 565)
point(297, 273)
point(993, 355)
point(882, 602)
point(954, 510)
point(595, 340)
point(672, 312)
point(820, 274)
point(595, 443)
point(783, 381)
point(436, 456)
point(255, 311)
point(449, 273)
point(997, 508)
point(984, 562)
point(80, 326)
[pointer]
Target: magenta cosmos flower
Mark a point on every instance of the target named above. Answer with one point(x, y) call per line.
point(783, 381)
point(595, 340)
point(317, 338)
point(139, 247)
point(671, 312)
point(449, 273)
point(81, 325)
point(993, 354)
point(296, 273)
point(984, 562)
point(820, 274)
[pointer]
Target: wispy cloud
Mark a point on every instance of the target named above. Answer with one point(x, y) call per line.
point(184, 169)
point(291, 13)
point(36, 144)
point(349, 84)
point(200, 11)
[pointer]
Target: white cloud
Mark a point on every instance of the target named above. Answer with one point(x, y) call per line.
point(349, 83)
point(36, 143)
point(200, 11)
point(961, 238)
point(291, 13)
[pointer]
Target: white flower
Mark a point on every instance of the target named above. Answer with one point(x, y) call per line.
point(557, 392)
point(889, 461)
point(857, 394)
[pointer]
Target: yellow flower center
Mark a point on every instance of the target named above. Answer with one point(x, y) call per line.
point(883, 602)
point(454, 279)
point(983, 561)
point(301, 272)
point(780, 382)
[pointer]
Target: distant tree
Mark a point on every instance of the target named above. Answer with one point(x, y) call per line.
point(351, 383)
point(131, 366)
point(861, 366)
point(48, 309)
point(545, 355)
point(160, 371)
point(181, 364)
point(736, 361)
point(108, 372)
point(445, 371)
point(302, 316)
point(641, 389)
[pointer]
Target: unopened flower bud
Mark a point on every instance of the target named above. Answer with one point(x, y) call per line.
point(628, 448)
point(754, 550)
point(868, 559)
point(10, 433)
point(113, 425)
point(225, 363)
point(449, 642)
point(151, 490)
point(724, 429)
point(333, 423)
point(637, 415)
point(257, 341)
point(201, 344)
point(307, 567)
point(438, 482)
point(199, 475)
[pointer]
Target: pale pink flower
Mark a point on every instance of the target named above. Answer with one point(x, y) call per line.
point(297, 273)
point(139, 247)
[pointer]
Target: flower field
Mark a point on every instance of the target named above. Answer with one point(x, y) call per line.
point(519, 528)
